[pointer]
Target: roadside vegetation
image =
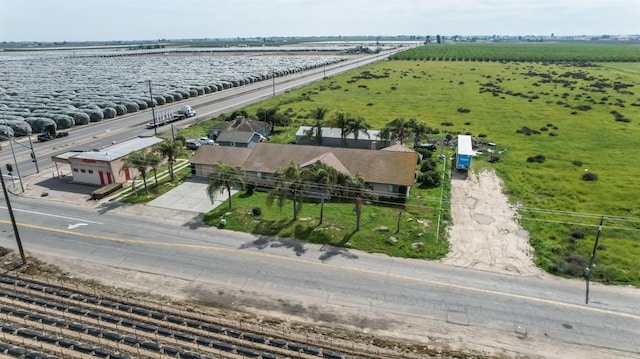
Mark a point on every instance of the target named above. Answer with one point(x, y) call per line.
point(565, 134)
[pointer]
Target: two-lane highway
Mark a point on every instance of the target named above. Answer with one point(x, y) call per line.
point(451, 301)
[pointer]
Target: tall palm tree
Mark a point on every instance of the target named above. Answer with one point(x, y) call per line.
point(399, 128)
point(341, 121)
point(318, 114)
point(154, 162)
point(326, 177)
point(419, 130)
point(225, 177)
point(357, 125)
point(139, 161)
point(289, 182)
point(171, 150)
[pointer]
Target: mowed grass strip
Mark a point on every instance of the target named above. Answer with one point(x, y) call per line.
point(580, 119)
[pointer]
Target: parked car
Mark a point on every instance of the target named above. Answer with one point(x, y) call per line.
point(206, 141)
point(193, 144)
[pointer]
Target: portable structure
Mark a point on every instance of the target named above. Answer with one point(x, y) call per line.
point(465, 151)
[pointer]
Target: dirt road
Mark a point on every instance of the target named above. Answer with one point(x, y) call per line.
point(485, 234)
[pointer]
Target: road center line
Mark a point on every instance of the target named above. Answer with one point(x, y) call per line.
point(337, 266)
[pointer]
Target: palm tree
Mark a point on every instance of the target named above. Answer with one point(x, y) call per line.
point(419, 129)
point(154, 162)
point(357, 189)
point(289, 182)
point(357, 125)
point(341, 121)
point(326, 177)
point(225, 177)
point(139, 161)
point(398, 128)
point(170, 149)
point(318, 114)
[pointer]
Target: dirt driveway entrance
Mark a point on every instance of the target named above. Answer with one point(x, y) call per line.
point(485, 234)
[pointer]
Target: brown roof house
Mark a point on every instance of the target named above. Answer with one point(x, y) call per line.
point(388, 173)
point(241, 132)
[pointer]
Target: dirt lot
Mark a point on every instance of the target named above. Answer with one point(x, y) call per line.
point(485, 234)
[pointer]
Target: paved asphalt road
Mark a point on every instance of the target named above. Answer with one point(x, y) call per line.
point(174, 243)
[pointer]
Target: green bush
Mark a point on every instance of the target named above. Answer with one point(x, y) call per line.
point(590, 176)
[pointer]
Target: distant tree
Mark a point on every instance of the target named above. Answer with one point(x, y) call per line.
point(427, 39)
point(357, 125)
point(272, 117)
point(341, 120)
point(419, 130)
point(438, 39)
point(225, 177)
point(397, 129)
point(315, 133)
point(154, 162)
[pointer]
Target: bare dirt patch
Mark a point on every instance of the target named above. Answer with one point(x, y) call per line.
point(485, 233)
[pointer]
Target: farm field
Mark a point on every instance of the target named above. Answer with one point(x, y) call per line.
point(69, 88)
point(566, 136)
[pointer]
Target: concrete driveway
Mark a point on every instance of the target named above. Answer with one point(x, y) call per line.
point(190, 196)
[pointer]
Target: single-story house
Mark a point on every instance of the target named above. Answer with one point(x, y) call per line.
point(331, 137)
point(388, 173)
point(102, 167)
point(249, 132)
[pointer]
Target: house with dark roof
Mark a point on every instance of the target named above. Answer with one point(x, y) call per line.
point(388, 173)
point(240, 132)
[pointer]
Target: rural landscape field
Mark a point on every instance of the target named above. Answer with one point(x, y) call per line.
point(566, 134)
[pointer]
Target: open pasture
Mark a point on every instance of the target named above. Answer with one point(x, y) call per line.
point(567, 137)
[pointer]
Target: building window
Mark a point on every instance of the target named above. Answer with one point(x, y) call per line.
point(260, 175)
point(391, 188)
point(75, 170)
point(83, 171)
point(90, 171)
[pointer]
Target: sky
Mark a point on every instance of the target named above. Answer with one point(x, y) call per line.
point(107, 20)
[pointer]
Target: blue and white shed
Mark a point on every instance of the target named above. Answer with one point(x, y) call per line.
point(465, 151)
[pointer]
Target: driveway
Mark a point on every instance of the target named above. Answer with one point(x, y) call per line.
point(190, 196)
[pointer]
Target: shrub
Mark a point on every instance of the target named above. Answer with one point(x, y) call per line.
point(575, 265)
point(571, 240)
point(429, 178)
point(446, 124)
point(482, 135)
point(577, 163)
point(590, 176)
point(427, 165)
point(493, 159)
point(463, 110)
point(467, 123)
point(576, 234)
point(602, 247)
point(536, 159)
point(256, 211)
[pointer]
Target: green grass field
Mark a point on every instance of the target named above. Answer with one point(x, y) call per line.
point(582, 119)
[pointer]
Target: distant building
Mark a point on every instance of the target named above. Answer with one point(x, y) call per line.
point(331, 137)
point(240, 132)
point(104, 166)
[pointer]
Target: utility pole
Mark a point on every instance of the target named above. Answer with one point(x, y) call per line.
point(153, 110)
point(587, 271)
point(15, 161)
point(33, 153)
point(273, 79)
point(13, 220)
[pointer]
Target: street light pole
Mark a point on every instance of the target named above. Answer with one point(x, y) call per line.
point(15, 161)
point(33, 153)
point(153, 110)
